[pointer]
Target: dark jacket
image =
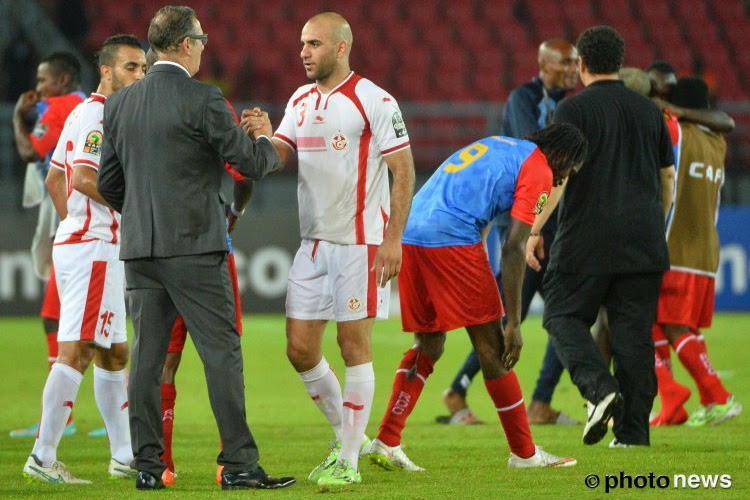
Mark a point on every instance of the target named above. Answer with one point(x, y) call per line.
point(166, 138)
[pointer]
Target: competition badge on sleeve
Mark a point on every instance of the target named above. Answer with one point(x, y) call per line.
point(541, 202)
point(398, 124)
point(93, 144)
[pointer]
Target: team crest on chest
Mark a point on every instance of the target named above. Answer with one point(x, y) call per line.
point(93, 144)
point(354, 304)
point(339, 142)
point(541, 202)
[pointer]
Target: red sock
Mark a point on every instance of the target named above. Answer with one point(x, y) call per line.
point(695, 359)
point(168, 395)
point(672, 394)
point(661, 346)
point(51, 348)
point(404, 395)
point(506, 393)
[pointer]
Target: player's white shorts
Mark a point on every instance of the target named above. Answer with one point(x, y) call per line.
point(328, 281)
point(90, 279)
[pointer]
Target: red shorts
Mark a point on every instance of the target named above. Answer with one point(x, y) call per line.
point(686, 299)
point(51, 303)
point(446, 288)
point(179, 330)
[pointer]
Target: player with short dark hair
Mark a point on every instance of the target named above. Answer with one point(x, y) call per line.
point(687, 291)
point(447, 283)
point(91, 280)
point(56, 94)
point(602, 254)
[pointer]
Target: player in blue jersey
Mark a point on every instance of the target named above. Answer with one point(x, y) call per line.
point(446, 281)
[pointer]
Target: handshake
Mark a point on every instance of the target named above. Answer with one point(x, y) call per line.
point(255, 122)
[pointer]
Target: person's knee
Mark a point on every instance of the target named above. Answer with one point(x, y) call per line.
point(171, 363)
point(50, 325)
point(113, 359)
point(77, 355)
point(355, 350)
point(674, 332)
point(300, 354)
point(432, 344)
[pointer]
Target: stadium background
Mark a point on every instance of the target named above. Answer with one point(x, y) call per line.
point(450, 64)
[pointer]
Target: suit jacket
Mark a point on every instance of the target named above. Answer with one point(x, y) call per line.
point(166, 139)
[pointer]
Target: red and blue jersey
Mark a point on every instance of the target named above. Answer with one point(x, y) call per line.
point(473, 186)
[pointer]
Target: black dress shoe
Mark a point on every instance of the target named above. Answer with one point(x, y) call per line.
point(147, 481)
point(257, 479)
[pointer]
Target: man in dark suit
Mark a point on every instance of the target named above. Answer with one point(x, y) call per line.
point(162, 162)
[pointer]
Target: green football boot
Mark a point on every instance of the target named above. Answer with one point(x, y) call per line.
point(341, 474)
point(326, 464)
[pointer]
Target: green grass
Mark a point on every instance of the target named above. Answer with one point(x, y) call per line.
point(461, 462)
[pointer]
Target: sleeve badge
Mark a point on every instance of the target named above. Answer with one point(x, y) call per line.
point(93, 144)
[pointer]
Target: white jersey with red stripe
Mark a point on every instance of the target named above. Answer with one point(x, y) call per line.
point(341, 139)
point(80, 146)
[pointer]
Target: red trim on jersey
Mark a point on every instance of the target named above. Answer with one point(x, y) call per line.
point(68, 168)
point(57, 164)
point(315, 249)
point(395, 148)
point(385, 219)
point(93, 299)
point(88, 163)
point(98, 98)
point(351, 78)
point(534, 180)
point(286, 139)
point(672, 126)
point(294, 102)
point(348, 89)
point(114, 226)
point(354, 407)
point(372, 282)
point(77, 237)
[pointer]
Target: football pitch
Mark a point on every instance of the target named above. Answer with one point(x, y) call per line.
point(461, 462)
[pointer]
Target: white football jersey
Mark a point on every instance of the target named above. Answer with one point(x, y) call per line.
point(80, 145)
point(341, 139)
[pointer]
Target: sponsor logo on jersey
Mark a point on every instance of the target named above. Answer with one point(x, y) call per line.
point(541, 202)
point(339, 142)
point(93, 144)
point(398, 124)
point(318, 120)
point(39, 130)
point(354, 304)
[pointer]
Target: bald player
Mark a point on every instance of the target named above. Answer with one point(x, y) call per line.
point(529, 108)
point(347, 133)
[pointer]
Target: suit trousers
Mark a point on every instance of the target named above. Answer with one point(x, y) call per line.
point(571, 306)
point(197, 287)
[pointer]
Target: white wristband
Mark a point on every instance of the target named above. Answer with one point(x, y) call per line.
point(235, 212)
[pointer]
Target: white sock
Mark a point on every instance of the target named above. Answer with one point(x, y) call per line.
point(359, 389)
point(58, 398)
point(112, 399)
point(323, 387)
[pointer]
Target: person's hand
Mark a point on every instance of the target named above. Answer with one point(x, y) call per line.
point(231, 218)
point(513, 345)
point(26, 101)
point(534, 249)
point(255, 122)
point(387, 261)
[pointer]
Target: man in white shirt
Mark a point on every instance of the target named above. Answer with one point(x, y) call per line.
point(89, 277)
point(347, 132)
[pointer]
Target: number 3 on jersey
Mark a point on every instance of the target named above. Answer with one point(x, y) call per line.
point(467, 155)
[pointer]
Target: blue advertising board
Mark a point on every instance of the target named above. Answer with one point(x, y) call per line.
point(733, 278)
